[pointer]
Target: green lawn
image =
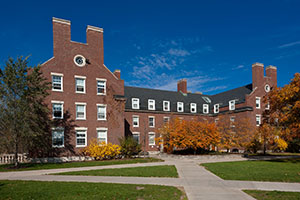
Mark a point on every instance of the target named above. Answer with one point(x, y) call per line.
point(276, 170)
point(75, 190)
point(37, 166)
point(152, 171)
point(273, 195)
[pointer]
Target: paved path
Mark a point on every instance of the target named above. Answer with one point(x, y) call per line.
point(197, 182)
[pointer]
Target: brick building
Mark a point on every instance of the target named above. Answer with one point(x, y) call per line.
point(89, 101)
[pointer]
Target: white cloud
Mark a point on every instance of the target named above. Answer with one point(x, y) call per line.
point(289, 44)
point(238, 67)
point(178, 52)
point(216, 88)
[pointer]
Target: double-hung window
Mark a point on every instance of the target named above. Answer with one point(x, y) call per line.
point(205, 108)
point(257, 102)
point(258, 120)
point(166, 105)
point(151, 104)
point(101, 86)
point(193, 108)
point(166, 119)
point(81, 136)
point(57, 137)
point(57, 109)
point(232, 121)
point(102, 135)
point(151, 138)
point(136, 136)
point(135, 121)
point(80, 111)
point(216, 108)
point(80, 84)
point(135, 103)
point(101, 111)
point(180, 107)
point(57, 82)
point(232, 105)
point(151, 121)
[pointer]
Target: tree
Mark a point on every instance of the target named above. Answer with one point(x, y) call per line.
point(22, 93)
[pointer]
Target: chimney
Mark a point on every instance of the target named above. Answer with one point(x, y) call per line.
point(94, 39)
point(61, 34)
point(182, 86)
point(271, 71)
point(257, 75)
point(117, 73)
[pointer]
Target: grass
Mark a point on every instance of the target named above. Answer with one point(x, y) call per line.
point(38, 166)
point(273, 195)
point(152, 171)
point(75, 190)
point(284, 170)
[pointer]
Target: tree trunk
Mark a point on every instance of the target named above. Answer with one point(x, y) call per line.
point(16, 154)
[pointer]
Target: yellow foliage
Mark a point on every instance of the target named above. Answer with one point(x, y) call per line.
point(101, 150)
point(281, 144)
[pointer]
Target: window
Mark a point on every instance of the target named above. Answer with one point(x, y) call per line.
point(151, 104)
point(151, 121)
point(179, 106)
point(57, 109)
point(166, 119)
point(268, 106)
point(80, 84)
point(205, 108)
point(101, 111)
point(232, 105)
point(206, 99)
point(101, 86)
point(136, 136)
point(151, 136)
point(79, 60)
point(193, 107)
point(257, 102)
point(166, 105)
point(135, 103)
point(232, 120)
point(102, 134)
point(57, 82)
point(258, 120)
point(81, 137)
point(135, 121)
point(216, 120)
point(216, 108)
point(267, 88)
point(58, 137)
point(80, 111)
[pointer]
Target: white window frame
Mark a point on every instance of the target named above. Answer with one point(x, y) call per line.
point(257, 102)
point(84, 84)
point(137, 121)
point(232, 121)
point(102, 129)
point(268, 106)
point(151, 134)
point(62, 109)
point(139, 136)
point(80, 104)
point(151, 103)
point(63, 137)
point(259, 120)
point(205, 108)
point(105, 81)
point(105, 112)
point(166, 121)
point(168, 106)
point(85, 137)
point(216, 108)
point(232, 105)
point(137, 103)
point(153, 121)
point(180, 105)
point(216, 120)
point(193, 105)
point(61, 85)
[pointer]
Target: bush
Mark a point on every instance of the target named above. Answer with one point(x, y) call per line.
point(102, 151)
point(129, 146)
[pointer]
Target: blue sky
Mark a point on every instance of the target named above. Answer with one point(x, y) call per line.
point(155, 43)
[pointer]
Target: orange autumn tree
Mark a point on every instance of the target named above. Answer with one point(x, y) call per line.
point(181, 134)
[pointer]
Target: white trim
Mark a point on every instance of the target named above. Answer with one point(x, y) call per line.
point(259, 120)
point(56, 74)
point(62, 21)
point(151, 102)
point(231, 104)
point(105, 106)
point(62, 109)
point(94, 28)
point(80, 104)
point(193, 105)
point(102, 129)
point(168, 109)
point(84, 85)
point(82, 77)
point(180, 104)
point(151, 133)
point(54, 101)
point(62, 82)
point(105, 84)
point(138, 120)
point(47, 61)
point(257, 101)
point(83, 59)
point(81, 128)
point(205, 107)
point(85, 138)
point(101, 79)
point(138, 103)
point(153, 121)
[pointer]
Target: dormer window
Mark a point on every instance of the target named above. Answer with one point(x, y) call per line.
point(193, 108)
point(216, 108)
point(232, 105)
point(151, 104)
point(135, 103)
point(205, 108)
point(179, 106)
point(166, 105)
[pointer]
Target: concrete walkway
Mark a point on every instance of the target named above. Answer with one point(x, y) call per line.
point(197, 182)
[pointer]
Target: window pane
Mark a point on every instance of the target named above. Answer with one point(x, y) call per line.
point(151, 139)
point(102, 135)
point(136, 137)
point(101, 87)
point(56, 82)
point(58, 138)
point(101, 112)
point(57, 110)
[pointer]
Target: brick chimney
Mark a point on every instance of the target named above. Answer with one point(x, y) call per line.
point(271, 71)
point(94, 39)
point(182, 86)
point(61, 34)
point(117, 73)
point(257, 75)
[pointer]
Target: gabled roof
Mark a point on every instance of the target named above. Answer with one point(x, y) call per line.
point(237, 94)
